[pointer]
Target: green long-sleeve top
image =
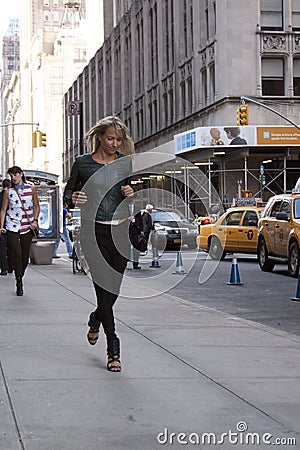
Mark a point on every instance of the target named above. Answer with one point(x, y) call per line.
point(102, 185)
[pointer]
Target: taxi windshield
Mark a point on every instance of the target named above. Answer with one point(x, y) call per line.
point(297, 208)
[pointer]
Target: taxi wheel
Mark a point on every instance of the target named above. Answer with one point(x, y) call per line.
point(265, 263)
point(215, 249)
point(293, 262)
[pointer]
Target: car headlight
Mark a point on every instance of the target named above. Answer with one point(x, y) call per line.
point(162, 231)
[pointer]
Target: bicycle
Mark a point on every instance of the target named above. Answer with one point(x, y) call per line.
point(79, 263)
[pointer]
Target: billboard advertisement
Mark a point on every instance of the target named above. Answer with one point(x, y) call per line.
point(48, 218)
point(247, 135)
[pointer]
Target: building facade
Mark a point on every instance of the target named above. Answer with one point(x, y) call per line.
point(10, 101)
point(171, 66)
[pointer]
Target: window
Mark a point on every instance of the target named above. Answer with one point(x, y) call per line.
point(233, 218)
point(55, 16)
point(46, 2)
point(296, 76)
point(272, 76)
point(46, 16)
point(250, 219)
point(297, 208)
point(168, 36)
point(275, 208)
point(56, 89)
point(296, 15)
point(56, 72)
point(204, 87)
point(271, 12)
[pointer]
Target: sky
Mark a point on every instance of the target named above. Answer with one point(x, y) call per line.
point(10, 10)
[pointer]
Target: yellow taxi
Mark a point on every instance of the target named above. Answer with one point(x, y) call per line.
point(279, 233)
point(234, 232)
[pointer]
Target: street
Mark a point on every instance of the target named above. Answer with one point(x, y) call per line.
point(264, 297)
point(192, 373)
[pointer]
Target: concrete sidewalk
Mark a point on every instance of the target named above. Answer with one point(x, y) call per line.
point(185, 369)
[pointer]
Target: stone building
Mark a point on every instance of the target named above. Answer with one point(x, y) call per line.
point(173, 66)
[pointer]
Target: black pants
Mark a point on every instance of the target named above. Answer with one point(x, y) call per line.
point(106, 249)
point(3, 252)
point(18, 247)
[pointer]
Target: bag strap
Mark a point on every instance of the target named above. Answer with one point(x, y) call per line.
point(22, 203)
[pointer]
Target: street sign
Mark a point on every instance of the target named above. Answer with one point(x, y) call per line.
point(262, 178)
point(73, 108)
point(262, 169)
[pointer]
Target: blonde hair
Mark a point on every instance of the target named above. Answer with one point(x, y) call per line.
point(93, 143)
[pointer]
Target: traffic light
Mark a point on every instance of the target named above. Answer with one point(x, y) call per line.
point(34, 139)
point(43, 139)
point(39, 139)
point(242, 115)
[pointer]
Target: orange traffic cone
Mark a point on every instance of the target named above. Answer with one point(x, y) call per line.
point(297, 298)
point(234, 274)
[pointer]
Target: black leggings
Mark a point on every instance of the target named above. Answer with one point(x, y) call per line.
point(107, 259)
point(18, 248)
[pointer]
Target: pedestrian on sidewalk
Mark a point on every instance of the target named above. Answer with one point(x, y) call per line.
point(148, 224)
point(19, 217)
point(5, 264)
point(64, 236)
point(99, 185)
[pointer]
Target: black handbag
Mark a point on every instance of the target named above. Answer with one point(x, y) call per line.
point(136, 235)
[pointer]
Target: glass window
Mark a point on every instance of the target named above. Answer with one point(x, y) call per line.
point(296, 76)
point(233, 218)
point(272, 76)
point(46, 15)
point(296, 15)
point(297, 208)
point(56, 89)
point(275, 209)
point(285, 207)
point(56, 16)
point(250, 216)
point(271, 15)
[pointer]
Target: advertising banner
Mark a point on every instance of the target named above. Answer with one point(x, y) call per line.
point(278, 136)
point(48, 218)
point(248, 135)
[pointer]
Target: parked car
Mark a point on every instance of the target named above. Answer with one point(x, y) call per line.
point(234, 232)
point(279, 233)
point(173, 229)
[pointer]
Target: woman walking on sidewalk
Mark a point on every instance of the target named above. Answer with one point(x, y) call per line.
point(20, 211)
point(99, 185)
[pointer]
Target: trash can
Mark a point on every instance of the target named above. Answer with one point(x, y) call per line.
point(41, 252)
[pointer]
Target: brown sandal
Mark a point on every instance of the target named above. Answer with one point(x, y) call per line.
point(93, 333)
point(113, 354)
point(114, 363)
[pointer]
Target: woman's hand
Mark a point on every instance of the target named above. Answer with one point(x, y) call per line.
point(127, 191)
point(34, 225)
point(79, 198)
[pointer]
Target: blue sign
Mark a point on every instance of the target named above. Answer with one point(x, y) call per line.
point(262, 169)
point(186, 141)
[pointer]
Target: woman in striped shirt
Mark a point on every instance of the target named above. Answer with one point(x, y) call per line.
point(20, 211)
